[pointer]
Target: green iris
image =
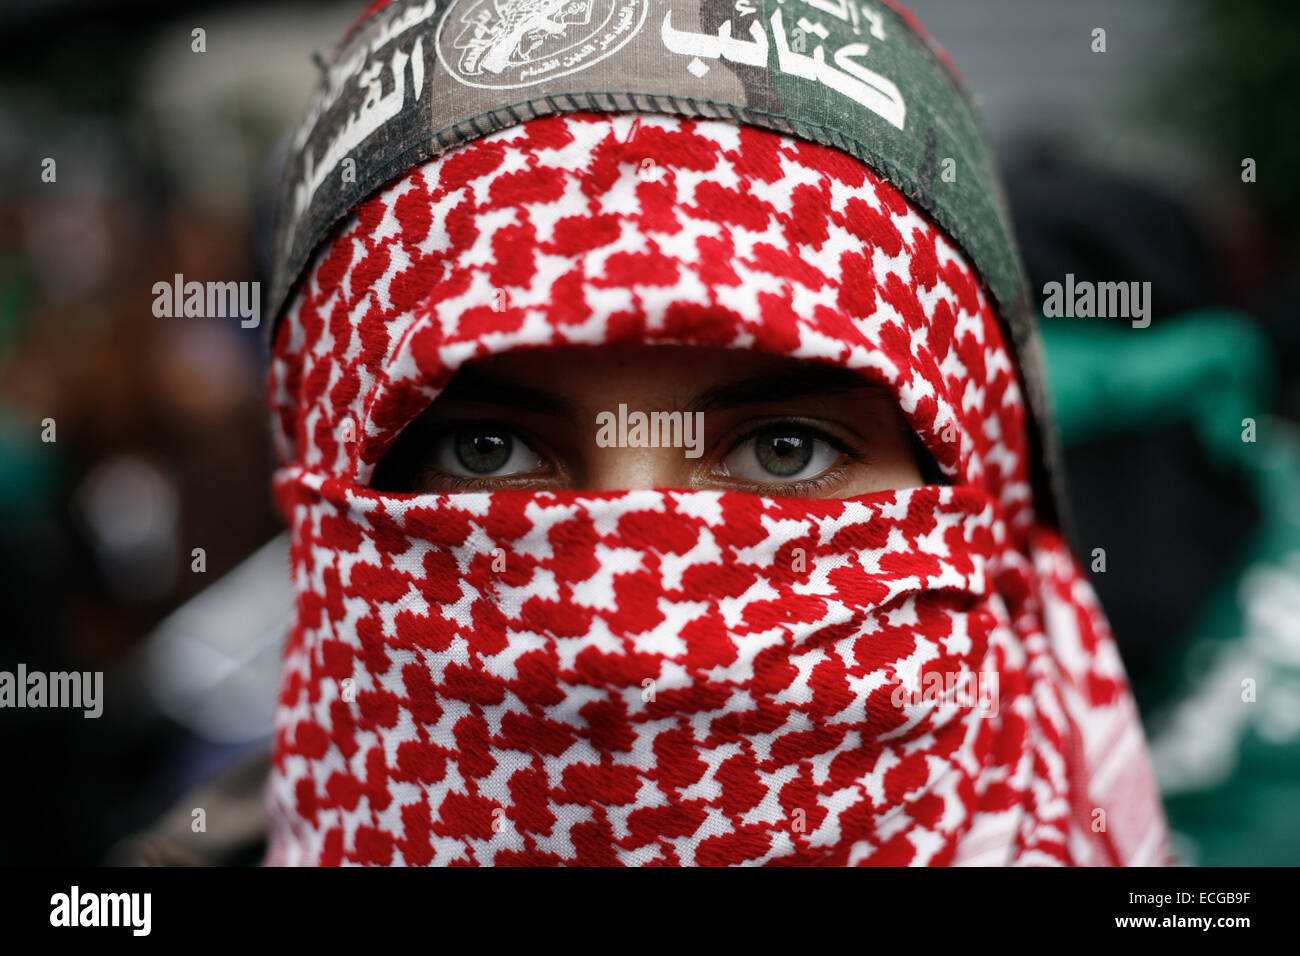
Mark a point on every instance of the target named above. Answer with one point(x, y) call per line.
point(483, 451)
point(783, 453)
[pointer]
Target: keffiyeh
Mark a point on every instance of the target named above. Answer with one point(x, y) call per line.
point(678, 677)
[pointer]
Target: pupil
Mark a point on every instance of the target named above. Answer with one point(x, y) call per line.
point(783, 454)
point(483, 452)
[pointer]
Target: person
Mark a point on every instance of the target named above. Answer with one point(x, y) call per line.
point(660, 493)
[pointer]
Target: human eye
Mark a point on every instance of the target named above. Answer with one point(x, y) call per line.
point(467, 452)
point(789, 456)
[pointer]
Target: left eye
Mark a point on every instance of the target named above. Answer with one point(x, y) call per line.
point(781, 454)
point(483, 451)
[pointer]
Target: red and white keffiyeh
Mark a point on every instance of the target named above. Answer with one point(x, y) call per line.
point(678, 677)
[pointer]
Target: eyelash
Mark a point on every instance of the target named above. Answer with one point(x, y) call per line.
point(801, 487)
point(469, 482)
point(458, 483)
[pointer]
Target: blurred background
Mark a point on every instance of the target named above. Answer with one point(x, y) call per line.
point(141, 542)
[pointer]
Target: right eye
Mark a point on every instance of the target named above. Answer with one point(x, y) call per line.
point(483, 450)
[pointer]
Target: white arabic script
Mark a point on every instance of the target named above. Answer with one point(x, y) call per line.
point(376, 110)
point(846, 76)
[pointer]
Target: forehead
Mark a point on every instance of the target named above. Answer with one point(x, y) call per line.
point(702, 377)
point(692, 363)
point(622, 367)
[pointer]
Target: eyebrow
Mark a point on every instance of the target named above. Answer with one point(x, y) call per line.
point(785, 385)
point(471, 385)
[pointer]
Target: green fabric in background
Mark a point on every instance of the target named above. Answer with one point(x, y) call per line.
point(1228, 766)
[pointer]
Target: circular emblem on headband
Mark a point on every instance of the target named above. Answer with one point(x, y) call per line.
point(506, 44)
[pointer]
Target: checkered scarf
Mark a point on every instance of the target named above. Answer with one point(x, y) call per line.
point(678, 677)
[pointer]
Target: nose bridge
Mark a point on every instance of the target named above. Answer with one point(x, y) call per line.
point(633, 468)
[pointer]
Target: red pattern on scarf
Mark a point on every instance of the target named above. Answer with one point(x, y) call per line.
point(504, 716)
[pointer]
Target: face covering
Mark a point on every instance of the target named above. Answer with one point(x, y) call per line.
point(678, 677)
